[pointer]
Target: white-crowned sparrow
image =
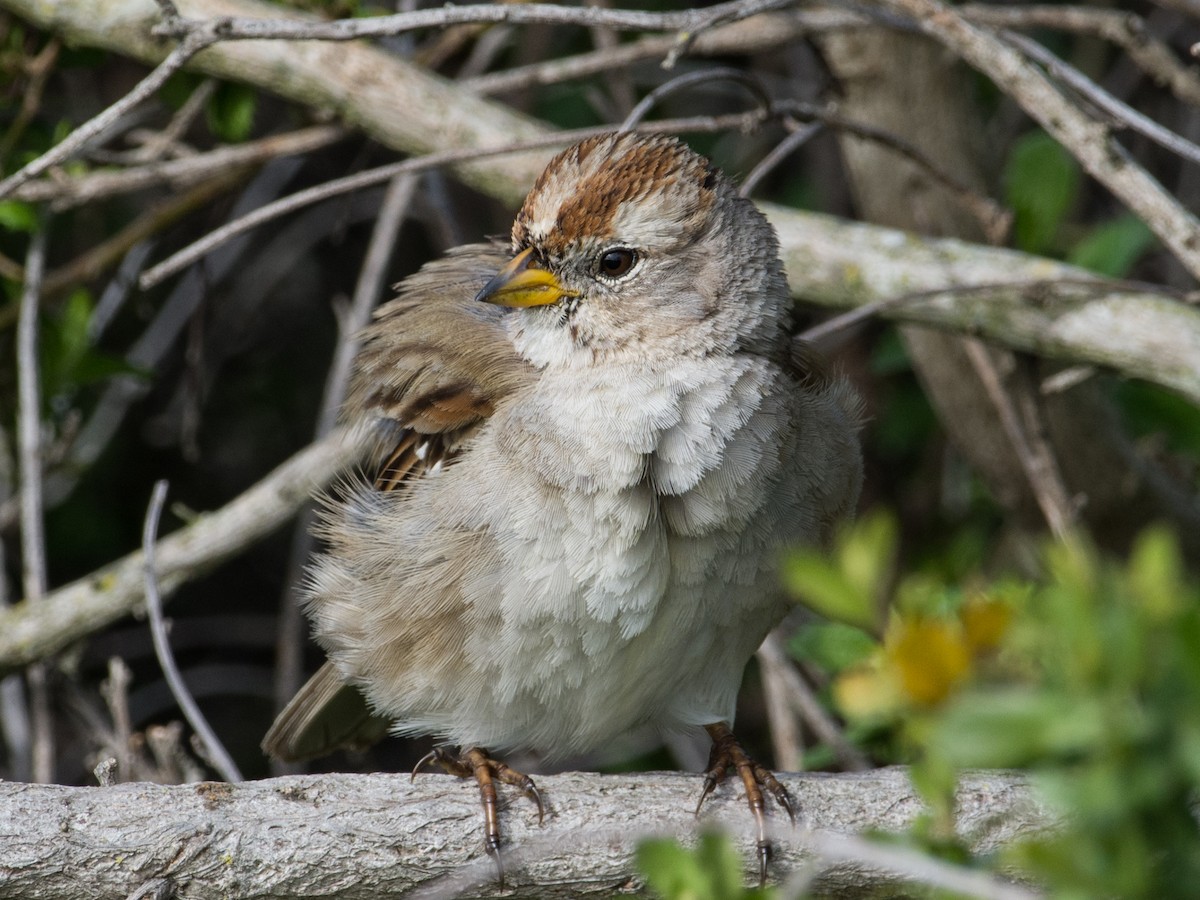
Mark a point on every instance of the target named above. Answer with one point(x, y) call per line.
point(583, 484)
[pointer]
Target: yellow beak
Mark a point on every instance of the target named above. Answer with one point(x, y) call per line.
point(523, 282)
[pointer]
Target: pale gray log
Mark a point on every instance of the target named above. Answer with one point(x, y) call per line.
point(357, 836)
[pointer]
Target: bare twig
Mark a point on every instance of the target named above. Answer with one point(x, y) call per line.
point(1125, 29)
point(217, 753)
point(32, 631)
point(787, 738)
point(29, 454)
point(749, 35)
point(192, 44)
point(188, 255)
point(38, 69)
point(691, 79)
point(687, 22)
point(66, 193)
point(809, 707)
point(159, 142)
point(993, 219)
point(117, 291)
point(781, 151)
point(1037, 461)
point(1122, 113)
point(115, 691)
point(14, 710)
point(1088, 140)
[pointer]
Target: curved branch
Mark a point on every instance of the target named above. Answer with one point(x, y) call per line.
point(360, 836)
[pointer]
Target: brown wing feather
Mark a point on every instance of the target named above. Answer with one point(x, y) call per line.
point(433, 365)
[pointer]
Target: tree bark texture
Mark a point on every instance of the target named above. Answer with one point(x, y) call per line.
point(359, 836)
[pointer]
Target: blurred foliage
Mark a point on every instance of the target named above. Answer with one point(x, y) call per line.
point(230, 111)
point(1042, 186)
point(1087, 677)
point(712, 870)
point(1041, 182)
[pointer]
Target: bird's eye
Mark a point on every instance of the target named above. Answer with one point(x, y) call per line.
point(615, 263)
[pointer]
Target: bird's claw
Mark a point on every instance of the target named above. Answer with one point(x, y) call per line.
point(478, 763)
point(728, 754)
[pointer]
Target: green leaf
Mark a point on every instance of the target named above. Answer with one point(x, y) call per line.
point(1012, 727)
point(833, 646)
point(1042, 181)
point(1156, 573)
point(847, 586)
point(17, 216)
point(1112, 248)
point(231, 110)
point(712, 871)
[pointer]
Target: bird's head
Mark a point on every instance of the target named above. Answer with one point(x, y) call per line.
point(632, 243)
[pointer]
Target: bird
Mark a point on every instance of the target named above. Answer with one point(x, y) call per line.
point(588, 450)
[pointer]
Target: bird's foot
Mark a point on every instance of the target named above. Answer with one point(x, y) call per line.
point(728, 754)
point(477, 763)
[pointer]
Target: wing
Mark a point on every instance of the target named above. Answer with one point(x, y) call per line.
point(434, 364)
point(432, 367)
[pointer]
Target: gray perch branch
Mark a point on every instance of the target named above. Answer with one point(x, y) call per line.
point(357, 836)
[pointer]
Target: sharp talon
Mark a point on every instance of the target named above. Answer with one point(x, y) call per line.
point(785, 800)
point(492, 846)
point(710, 785)
point(764, 857)
point(422, 763)
point(534, 795)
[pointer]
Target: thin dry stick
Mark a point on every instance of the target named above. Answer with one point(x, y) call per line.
point(217, 754)
point(1042, 473)
point(29, 454)
point(188, 255)
point(14, 711)
point(781, 151)
point(192, 44)
point(688, 22)
point(1125, 29)
point(38, 69)
point(66, 193)
point(752, 34)
point(787, 739)
point(1122, 113)
point(810, 708)
point(993, 218)
point(690, 79)
point(158, 143)
point(1089, 141)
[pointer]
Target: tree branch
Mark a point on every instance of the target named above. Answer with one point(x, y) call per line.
point(31, 631)
point(829, 261)
point(368, 835)
point(1014, 299)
